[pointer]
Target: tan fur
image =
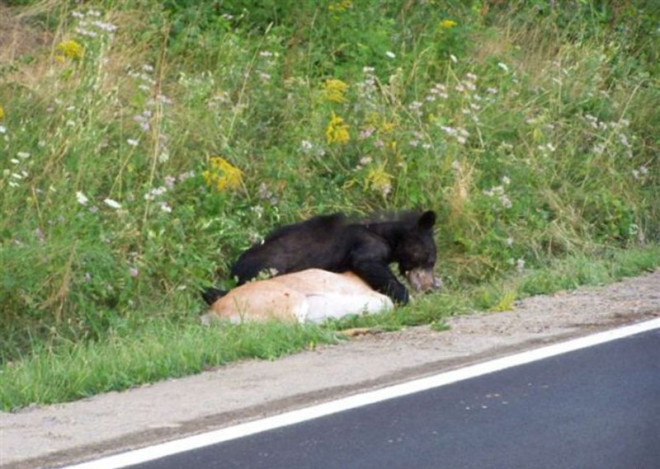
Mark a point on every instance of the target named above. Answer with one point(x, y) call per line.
point(311, 295)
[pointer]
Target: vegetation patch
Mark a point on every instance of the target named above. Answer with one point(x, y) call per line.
point(144, 145)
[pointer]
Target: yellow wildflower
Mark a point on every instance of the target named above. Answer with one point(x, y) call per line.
point(222, 175)
point(334, 89)
point(2, 112)
point(379, 180)
point(391, 145)
point(386, 127)
point(447, 24)
point(71, 49)
point(337, 131)
point(340, 6)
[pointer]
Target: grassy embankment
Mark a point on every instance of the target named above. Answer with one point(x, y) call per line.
point(145, 144)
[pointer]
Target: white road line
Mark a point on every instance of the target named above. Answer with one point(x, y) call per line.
point(371, 397)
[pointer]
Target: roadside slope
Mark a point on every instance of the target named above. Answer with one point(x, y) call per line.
point(111, 422)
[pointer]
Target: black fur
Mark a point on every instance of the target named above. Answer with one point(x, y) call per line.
point(211, 294)
point(333, 243)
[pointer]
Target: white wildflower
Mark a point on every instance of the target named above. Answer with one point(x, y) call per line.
point(23, 155)
point(366, 133)
point(453, 58)
point(107, 27)
point(364, 161)
point(448, 130)
point(112, 203)
point(186, 175)
point(169, 181)
point(390, 54)
point(503, 66)
point(81, 198)
point(133, 142)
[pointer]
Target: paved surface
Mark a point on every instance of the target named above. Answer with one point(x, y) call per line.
point(594, 408)
point(118, 421)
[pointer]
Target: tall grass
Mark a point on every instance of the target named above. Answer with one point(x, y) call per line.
point(145, 144)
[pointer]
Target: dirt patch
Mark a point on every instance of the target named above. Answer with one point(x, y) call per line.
point(118, 421)
point(17, 37)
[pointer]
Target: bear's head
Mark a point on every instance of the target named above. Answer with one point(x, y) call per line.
point(416, 253)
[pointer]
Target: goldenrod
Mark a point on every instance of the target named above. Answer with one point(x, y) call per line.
point(379, 180)
point(340, 6)
point(337, 131)
point(222, 175)
point(334, 89)
point(71, 49)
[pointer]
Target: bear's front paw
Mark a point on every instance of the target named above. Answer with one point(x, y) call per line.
point(399, 295)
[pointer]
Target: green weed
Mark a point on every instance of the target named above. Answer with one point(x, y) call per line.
point(144, 145)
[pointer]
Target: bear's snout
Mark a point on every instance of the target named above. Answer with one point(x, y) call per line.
point(423, 280)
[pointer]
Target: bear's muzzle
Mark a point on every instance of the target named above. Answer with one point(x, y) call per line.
point(423, 280)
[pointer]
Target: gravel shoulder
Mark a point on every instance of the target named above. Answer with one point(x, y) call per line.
point(107, 423)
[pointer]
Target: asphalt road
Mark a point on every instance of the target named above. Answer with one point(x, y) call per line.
point(597, 407)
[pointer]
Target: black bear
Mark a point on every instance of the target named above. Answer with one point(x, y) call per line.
point(333, 243)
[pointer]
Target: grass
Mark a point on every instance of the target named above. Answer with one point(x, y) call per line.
point(158, 350)
point(144, 145)
point(154, 352)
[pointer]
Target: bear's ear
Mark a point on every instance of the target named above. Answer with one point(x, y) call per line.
point(426, 221)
